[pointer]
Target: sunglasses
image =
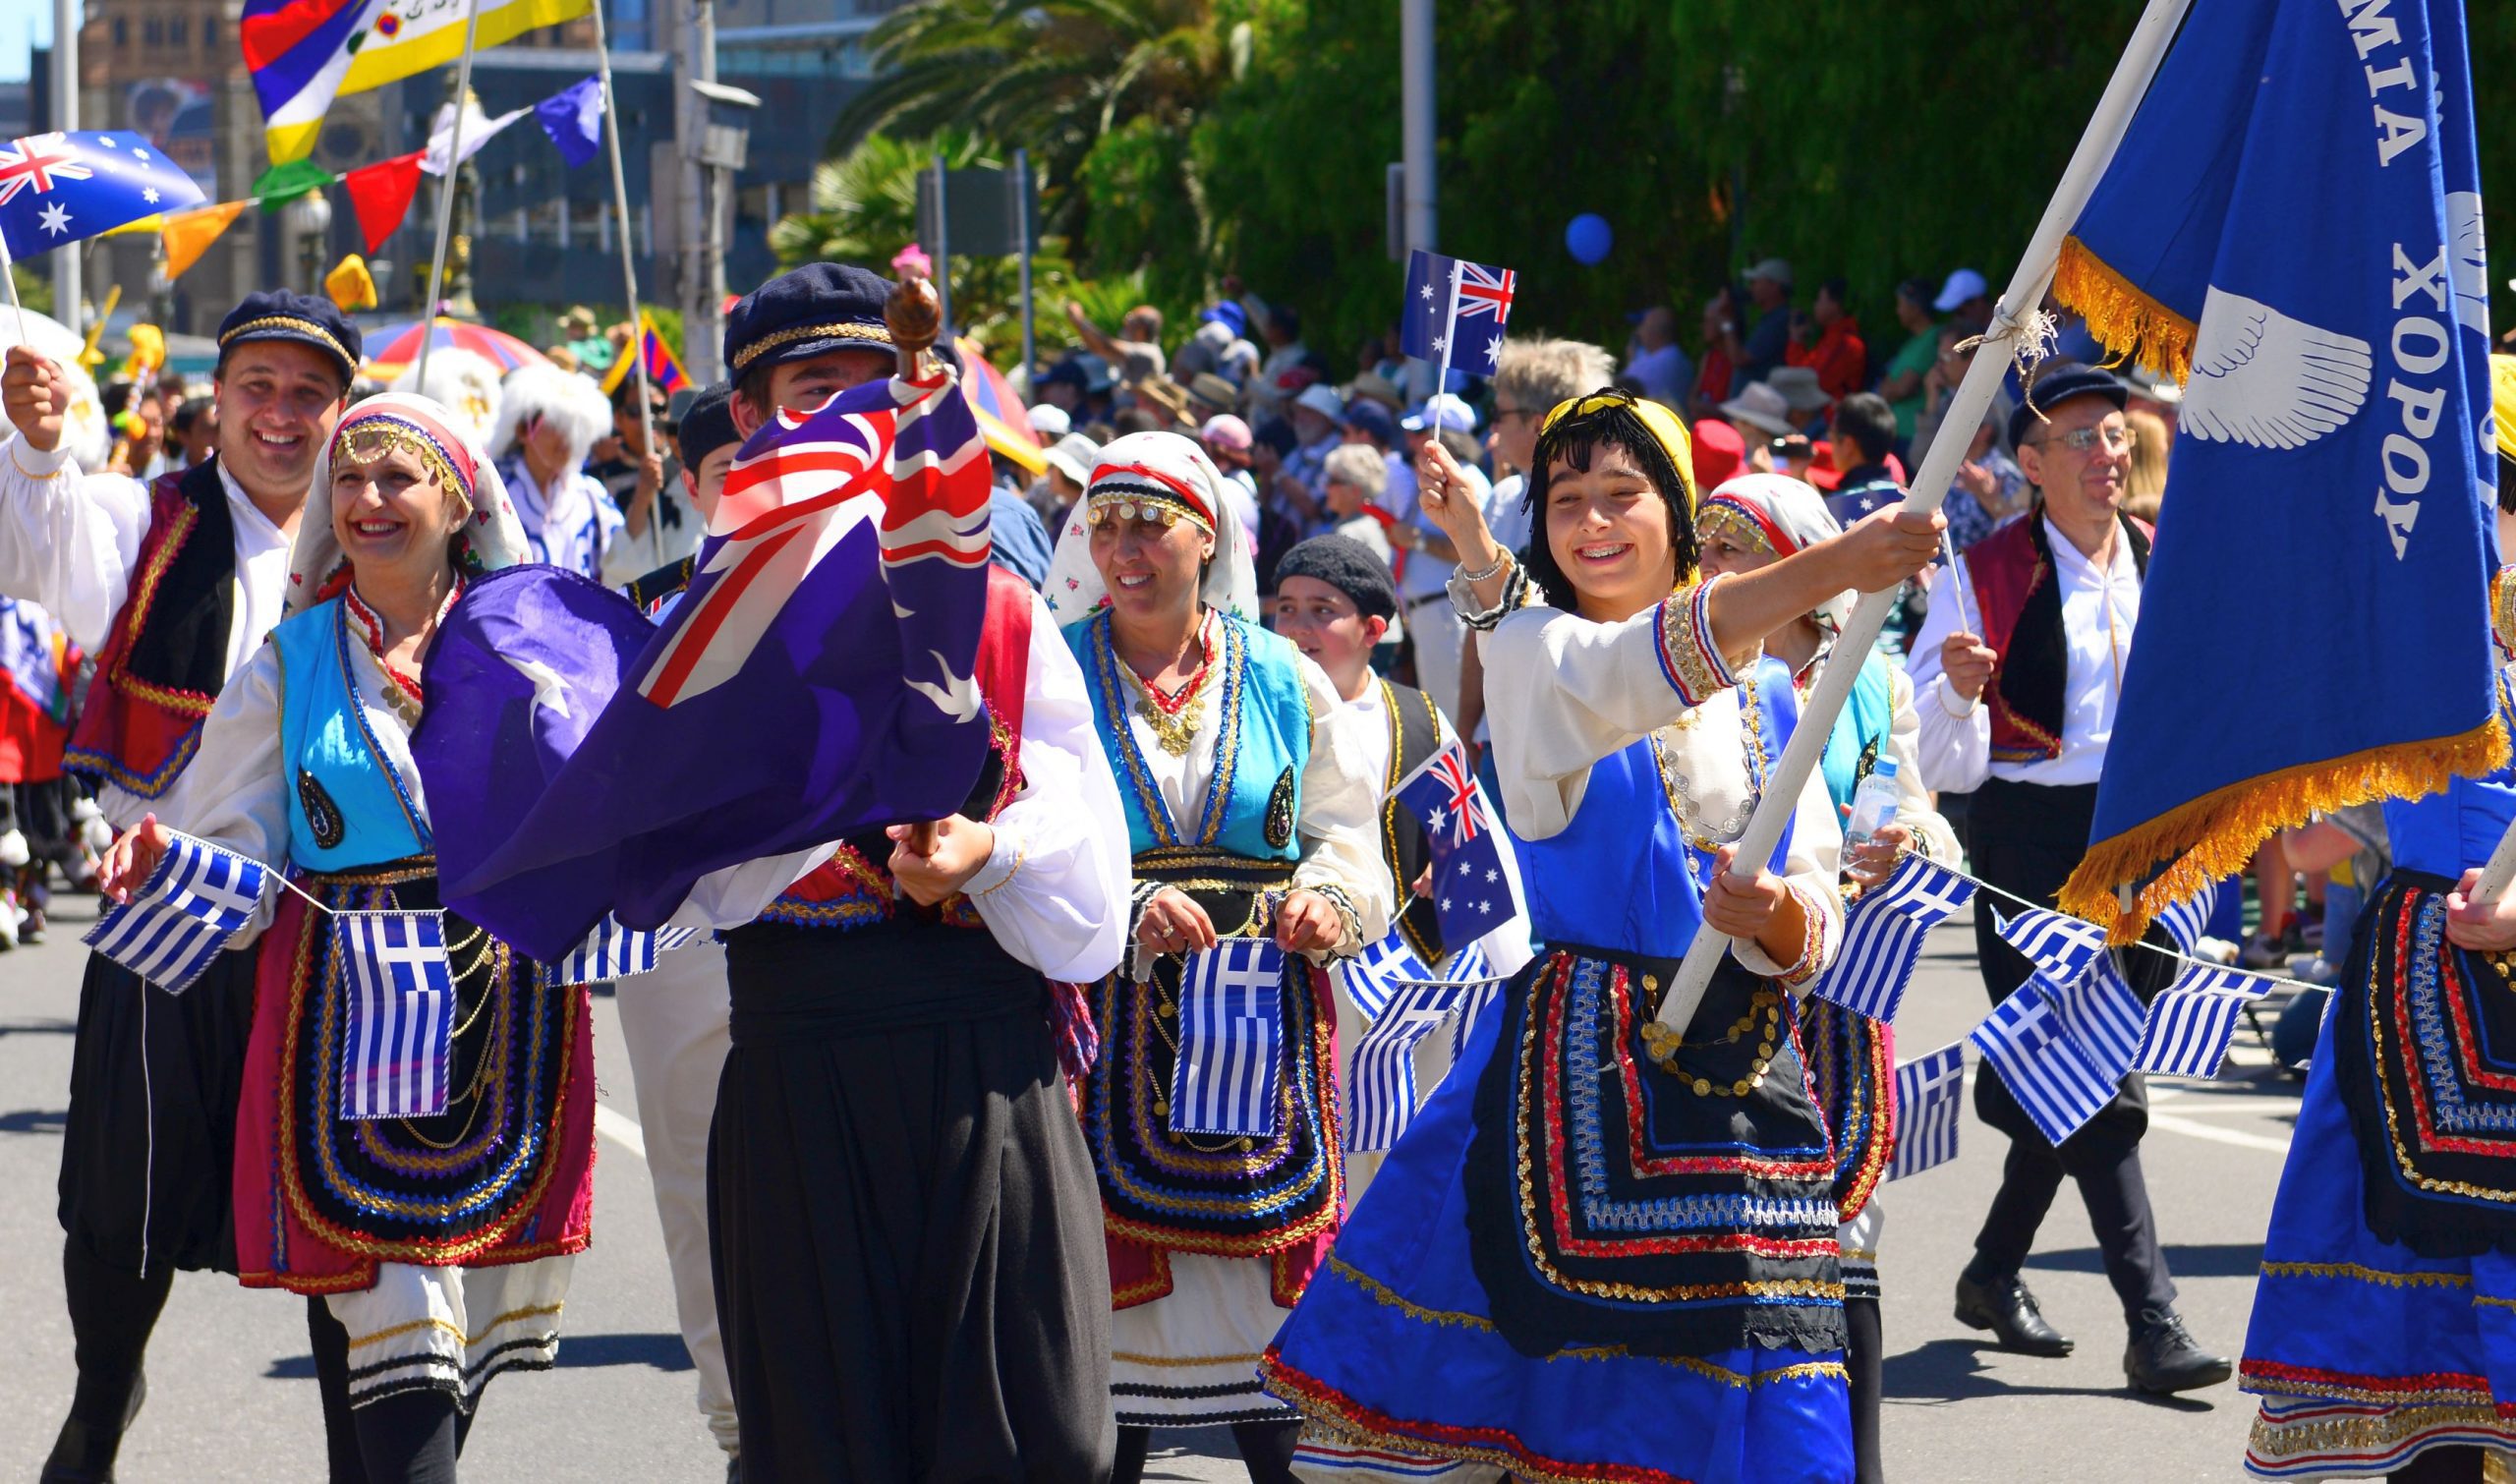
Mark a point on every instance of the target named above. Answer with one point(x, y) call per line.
point(2082, 439)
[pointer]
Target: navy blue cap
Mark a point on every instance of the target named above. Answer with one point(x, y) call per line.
point(2057, 383)
point(278, 314)
point(1373, 420)
point(807, 312)
point(708, 425)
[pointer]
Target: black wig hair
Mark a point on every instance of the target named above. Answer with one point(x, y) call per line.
point(1576, 439)
point(2506, 488)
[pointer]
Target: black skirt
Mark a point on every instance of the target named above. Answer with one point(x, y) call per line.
point(148, 1152)
point(904, 1224)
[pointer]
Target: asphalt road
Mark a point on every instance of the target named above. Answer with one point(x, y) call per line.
point(232, 1395)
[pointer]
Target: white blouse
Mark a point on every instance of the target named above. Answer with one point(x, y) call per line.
point(1564, 693)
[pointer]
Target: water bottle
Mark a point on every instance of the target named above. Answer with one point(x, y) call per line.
point(1874, 804)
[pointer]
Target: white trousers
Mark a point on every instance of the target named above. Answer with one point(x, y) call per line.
point(1437, 635)
point(673, 1021)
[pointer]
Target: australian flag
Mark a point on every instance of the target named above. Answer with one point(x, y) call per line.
point(815, 680)
point(1475, 885)
point(63, 188)
point(1455, 311)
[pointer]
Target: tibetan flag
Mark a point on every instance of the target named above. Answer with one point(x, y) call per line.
point(304, 53)
point(57, 188)
point(663, 372)
point(184, 915)
point(2292, 226)
point(1003, 421)
point(1455, 311)
point(816, 679)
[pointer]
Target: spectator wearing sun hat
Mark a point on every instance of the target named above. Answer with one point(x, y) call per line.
point(1228, 441)
point(1318, 417)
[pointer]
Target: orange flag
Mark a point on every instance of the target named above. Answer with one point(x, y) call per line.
point(189, 234)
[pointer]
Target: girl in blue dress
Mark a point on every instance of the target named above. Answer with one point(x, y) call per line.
point(1604, 1250)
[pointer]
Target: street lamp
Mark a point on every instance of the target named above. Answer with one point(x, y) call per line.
point(308, 218)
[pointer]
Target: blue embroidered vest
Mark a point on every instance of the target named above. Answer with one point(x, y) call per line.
point(346, 807)
point(1861, 731)
point(1254, 798)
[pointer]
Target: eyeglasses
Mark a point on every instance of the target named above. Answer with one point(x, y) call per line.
point(1502, 411)
point(2082, 439)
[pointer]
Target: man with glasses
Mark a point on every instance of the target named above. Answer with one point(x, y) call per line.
point(2020, 710)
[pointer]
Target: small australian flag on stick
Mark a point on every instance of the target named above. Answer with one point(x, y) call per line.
point(1456, 311)
point(1475, 885)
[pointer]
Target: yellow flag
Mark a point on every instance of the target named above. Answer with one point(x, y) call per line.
point(147, 351)
point(189, 234)
point(350, 284)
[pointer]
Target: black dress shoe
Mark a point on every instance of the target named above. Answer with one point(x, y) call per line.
point(83, 1454)
point(2005, 1307)
point(2163, 1356)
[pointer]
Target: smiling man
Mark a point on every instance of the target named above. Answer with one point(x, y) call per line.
point(174, 585)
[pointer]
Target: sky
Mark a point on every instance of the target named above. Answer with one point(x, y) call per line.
point(30, 27)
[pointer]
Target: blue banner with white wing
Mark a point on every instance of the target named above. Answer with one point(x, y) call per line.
point(2292, 224)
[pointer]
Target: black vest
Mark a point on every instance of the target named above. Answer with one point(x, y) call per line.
point(1415, 733)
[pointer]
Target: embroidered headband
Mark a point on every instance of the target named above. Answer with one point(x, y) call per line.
point(407, 429)
point(1139, 484)
point(1744, 522)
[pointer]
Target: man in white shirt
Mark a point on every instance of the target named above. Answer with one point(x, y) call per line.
point(2017, 672)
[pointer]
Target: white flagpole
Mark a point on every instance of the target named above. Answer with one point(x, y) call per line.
point(445, 187)
point(1450, 337)
point(628, 249)
point(2027, 286)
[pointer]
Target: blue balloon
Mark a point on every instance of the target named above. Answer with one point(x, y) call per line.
point(1588, 238)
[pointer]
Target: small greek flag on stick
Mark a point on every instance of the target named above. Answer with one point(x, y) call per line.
point(2189, 1026)
point(613, 951)
point(1372, 976)
point(1930, 1105)
point(197, 898)
point(1229, 1079)
point(1383, 1083)
point(398, 1039)
point(1883, 934)
point(2028, 1040)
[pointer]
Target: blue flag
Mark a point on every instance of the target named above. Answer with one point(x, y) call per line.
point(815, 680)
point(573, 119)
point(2292, 225)
point(64, 188)
point(1456, 310)
point(1475, 885)
point(1883, 935)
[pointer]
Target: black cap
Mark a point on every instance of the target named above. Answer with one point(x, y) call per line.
point(1349, 566)
point(708, 425)
point(807, 312)
point(278, 314)
point(2058, 382)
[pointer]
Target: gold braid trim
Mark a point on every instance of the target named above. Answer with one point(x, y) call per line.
point(511, 1316)
point(2218, 833)
point(2367, 1433)
point(2359, 1274)
point(2131, 323)
point(253, 329)
point(874, 334)
point(2502, 610)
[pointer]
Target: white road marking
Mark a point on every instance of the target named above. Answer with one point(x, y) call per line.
point(620, 1129)
point(2212, 1132)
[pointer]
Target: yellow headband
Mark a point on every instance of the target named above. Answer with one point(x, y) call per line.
point(1661, 422)
point(2502, 402)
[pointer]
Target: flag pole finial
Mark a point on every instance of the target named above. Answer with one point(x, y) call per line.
point(914, 315)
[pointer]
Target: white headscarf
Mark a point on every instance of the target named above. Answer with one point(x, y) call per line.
point(1781, 515)
point(1163, 469)
point(493, 533)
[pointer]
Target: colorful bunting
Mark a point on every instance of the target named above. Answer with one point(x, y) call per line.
point(188, 235)
point(381, 193)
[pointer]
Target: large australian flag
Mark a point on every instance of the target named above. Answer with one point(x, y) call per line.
point(1475, 885)
point(1455, 311)
point(58, 187)
point(814, 681)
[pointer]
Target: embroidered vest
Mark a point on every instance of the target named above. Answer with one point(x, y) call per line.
point(853, 889)
point(1415, 734)
point(1861, 731)
point(2019, 608)
point(166, 660)
point(346, 806)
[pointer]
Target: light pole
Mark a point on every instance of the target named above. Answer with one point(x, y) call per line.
point(308, 217)
point(66, 18)
point(1416, 129)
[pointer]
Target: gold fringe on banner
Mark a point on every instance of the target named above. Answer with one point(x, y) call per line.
point(2214, 836)
point(2119, 316)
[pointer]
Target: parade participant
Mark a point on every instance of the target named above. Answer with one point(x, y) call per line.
point(548, 422)
point(38, 664)
point(173, 587)
point(2020, 715)
point(1676, 1318)
point(2378, 1343)
point(905, 1226)
point(434, 1250)
point(1749, 523)
point(1249, 811)
point(657, 526)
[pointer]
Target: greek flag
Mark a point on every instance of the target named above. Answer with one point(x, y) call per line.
point(1372, 976)
point(1474, 995)
point(1883, 934)
point(2186, 921)
point(1930, 1104)
point(613, 951)
point(2063, 946)
point(1382, 1086)
point(2189, 1027)
point(398, 1037)
point(1230, 1072)
point(2104, 1012)
point(197, 898)
point(2045, 1067)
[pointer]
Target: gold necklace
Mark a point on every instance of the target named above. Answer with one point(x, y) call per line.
point(1174, 719)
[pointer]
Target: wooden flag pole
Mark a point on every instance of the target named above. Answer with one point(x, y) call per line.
point(914, 315)
point(628, 252)
point(445, 187)
point(1991, 358)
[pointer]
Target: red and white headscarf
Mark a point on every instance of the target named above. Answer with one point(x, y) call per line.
point(1167, 473)
point(1779, 515)
point(455, 462)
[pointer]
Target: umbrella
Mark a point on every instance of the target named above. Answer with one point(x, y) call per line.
point(395, 346)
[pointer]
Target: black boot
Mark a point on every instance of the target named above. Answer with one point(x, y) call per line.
point(85, 1453)
point(2004, 1306)
point(2163, 1355)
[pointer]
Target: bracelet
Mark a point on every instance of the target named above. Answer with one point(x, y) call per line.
point(1502, 559)
point(1515, 590)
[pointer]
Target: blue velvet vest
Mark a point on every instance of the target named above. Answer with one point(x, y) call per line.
point(346, 806)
